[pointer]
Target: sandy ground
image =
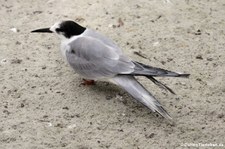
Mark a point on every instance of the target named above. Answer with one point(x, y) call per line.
point(42, 104)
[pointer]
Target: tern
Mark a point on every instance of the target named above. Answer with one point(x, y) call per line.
point(96, 57)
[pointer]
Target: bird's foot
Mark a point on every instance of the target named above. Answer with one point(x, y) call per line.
point(88, 82)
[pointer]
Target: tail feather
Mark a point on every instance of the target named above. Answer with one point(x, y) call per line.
point(134, 88)
point(161, 85)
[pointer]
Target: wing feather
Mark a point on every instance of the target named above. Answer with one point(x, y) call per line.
point(93, 59)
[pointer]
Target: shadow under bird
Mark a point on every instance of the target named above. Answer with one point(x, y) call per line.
point(96, 57)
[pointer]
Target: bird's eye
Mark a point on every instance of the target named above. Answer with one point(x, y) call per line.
point(58, 30)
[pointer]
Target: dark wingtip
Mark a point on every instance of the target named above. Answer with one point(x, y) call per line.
point(161, 85)
point(163, 113)
point(185, 75)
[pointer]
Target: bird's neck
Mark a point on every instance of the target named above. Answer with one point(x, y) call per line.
point(65, 44)
point(63, 47)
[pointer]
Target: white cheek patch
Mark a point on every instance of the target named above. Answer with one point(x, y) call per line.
point(54, 27)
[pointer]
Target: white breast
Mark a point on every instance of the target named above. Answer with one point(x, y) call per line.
point(64, 47)
point(65, 44)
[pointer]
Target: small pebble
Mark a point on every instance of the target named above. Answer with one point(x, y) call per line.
point(16, 61)
point(209, 59)
point(149, 135)
point(49, 124)
point(220, 115)
point(198, 79)
point(59, 125)
point(14, 30)
point(65, 108)
point(198, 32)
point(120, 22)
point(199, 57)
point(155, 44)
point(18, 43)
point(43, 67)
point(37, 12)
point(22, 105)
point(72, 126)
point(3, 61)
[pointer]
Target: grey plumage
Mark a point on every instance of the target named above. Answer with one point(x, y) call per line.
point(96, 57)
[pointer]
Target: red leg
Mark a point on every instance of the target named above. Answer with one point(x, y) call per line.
point(88, 82)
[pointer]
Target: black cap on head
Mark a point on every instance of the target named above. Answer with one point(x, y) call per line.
point(70, 28)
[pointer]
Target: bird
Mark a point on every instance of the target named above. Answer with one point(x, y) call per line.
point(96, 57)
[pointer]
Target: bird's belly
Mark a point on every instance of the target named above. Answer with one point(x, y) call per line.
point(90, 74)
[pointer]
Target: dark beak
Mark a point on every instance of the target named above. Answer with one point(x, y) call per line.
point(42, 30)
